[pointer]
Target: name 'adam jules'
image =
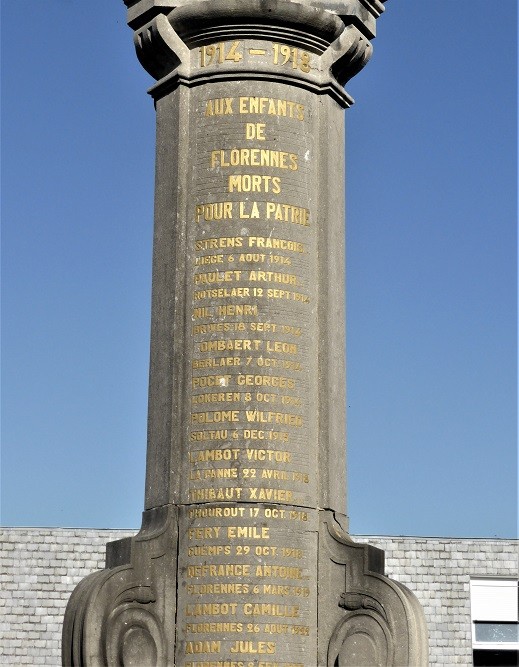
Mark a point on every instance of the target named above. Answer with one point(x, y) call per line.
point(238, 646)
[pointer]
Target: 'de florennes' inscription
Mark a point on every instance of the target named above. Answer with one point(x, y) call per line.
point(248, 544)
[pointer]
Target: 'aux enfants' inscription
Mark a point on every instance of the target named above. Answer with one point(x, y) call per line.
point(243, 559)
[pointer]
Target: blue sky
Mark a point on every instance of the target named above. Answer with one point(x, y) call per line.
point(431, 269)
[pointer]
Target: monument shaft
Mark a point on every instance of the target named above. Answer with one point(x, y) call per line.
point(243, 559)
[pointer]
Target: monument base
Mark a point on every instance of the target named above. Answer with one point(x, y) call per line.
point(126, 614)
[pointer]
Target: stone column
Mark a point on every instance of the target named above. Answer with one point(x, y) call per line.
point(243, 559)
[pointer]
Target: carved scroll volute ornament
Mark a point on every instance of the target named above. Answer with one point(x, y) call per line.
point(377, 622)
point(117, 616)
point(159, 49)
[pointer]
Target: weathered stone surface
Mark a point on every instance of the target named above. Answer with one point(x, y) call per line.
point(244, 558)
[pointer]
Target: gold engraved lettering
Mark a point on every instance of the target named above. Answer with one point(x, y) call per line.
point(288, 213)
point(216, 363)
point(216, 211)
point(291, 552)
point(249, 211)
point(219, 107)
point(210, 550)
point(199, 313)
point(213, 474)
point(212, 609)
point(203, 647)
point(283, 590)
point(285, 629)
point(233, 311)
point(266, 398)
point(209, 455)
point(263, 380)
point(242, 550)
point(254, 183)
point(209, 495)
point(255, 131)
point(202, 436)
point(272, 107)
point(253, 647)
point(216, 512)
point(268, 455)
point(217, 417)
point(219, 397)
point(217, 54)
point(212, 277)
point(253, 157)
point(281, 347)
point(228, 570)
point(274, 513)
point(206, 533)
point(208, 259)
point(276, 244)
point(218, 589)
point(211, 381)
point(219, 327)
point(270, 495)
point(223, 293)
point(255, 257)
point(221, 243)
point(265, 551)
point(272, 276)
point(283, 54)
point(273, 417)
point(268, 362)
point(207, 628)
point(289, 296)
point(274, 474)
point(230, 344)
point(254, 434)
point(248, 532)
point(280, 259)
point(269, 609)
point(277, 572)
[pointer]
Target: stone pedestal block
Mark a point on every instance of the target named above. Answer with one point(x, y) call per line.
point(244, 558)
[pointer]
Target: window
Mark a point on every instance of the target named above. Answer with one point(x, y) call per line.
point(494, 607)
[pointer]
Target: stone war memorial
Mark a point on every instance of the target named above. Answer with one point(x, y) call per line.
point(244, 557)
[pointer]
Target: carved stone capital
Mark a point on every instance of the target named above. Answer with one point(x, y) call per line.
point(333, 35)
